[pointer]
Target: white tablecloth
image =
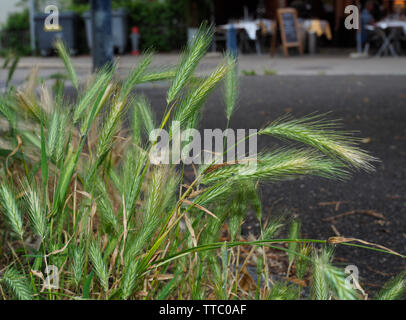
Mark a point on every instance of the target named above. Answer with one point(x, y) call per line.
point(251, 27)
point(384, 24)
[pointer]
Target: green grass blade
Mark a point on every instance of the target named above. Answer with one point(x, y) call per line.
point(86, 286)
point(44, 159)
point(135, 76)
point(12, 69)
point(192, 104)
point(98, 85)
point(63, 53)
point(192, 56)
point(35, 211)
point(294, 233)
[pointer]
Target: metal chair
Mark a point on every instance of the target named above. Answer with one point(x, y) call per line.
point(390, 39)
point(373, 38)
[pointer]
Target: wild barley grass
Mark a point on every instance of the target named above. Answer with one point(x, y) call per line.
point(191, 58)
point(135, 76)
point(117, 226)
point(280, 165)
point(231, 85)
point(143, 118)
point(11, 210)
point(78, 262)
point(192, 104)
point(68, 63)
point(394, 289)
point(35, 212)
point(17, 283)
point(99, 84)
point(158, 75)
point(322, 134)
point(99, 265)
point(329, 281)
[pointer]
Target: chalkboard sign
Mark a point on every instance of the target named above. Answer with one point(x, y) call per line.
point(289, 29)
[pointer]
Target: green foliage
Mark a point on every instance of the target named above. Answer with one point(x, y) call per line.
point(270, 72)
point(302, 260)
point(78, 262)
point(322, 135)
point(118, 225)
point(11, 61)
point(17, 21)
point(79, 6)
point(161, 23)
point(15, 34)
point(35, 211)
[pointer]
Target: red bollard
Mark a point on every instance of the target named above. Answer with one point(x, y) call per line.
point(135, 39)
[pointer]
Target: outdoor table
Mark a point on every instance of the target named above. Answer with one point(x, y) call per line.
point(319, 27)
point(316, 27)
point(251, 27)
point(389, 31)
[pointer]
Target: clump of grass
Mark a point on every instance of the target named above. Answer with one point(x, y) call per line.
point(270, 72)
point(191, 58)
point(328, 280)
point(11, 209)
point(395, 289)
point(120, 227)
point(322, 135)
point(249, 72)
point(17, 284)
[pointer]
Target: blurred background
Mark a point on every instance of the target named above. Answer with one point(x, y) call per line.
point(166, 24)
